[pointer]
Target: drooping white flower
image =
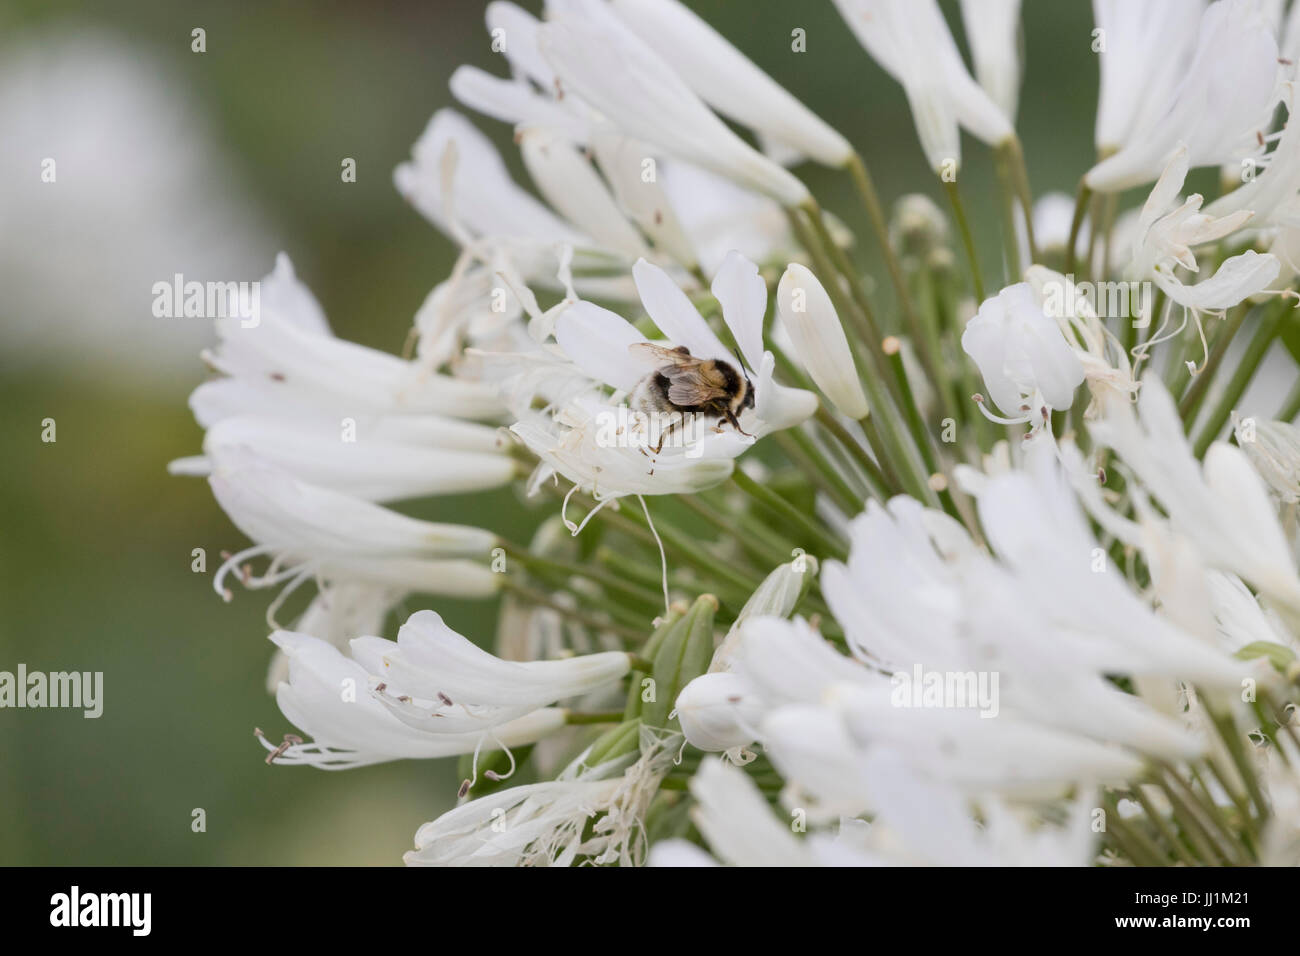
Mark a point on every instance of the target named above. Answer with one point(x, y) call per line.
point(1220, 103)
point(819, 341)
point(1222, 505)
point(638, 92)
point(1140, 46)
point(456, 178)
point(325, 696)
point(1107, 370)
point(993, 27)
point(692, 216)
point(1167, 232)
point(1023, 357)
point(729, 81)
point(911, 41)
point(314, 531)
point(335, 615)
point(437, 680)
point(547, 824)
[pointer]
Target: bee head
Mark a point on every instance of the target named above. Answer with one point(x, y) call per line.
point(746, 397)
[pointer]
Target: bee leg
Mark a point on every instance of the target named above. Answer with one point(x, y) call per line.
point(736, 425)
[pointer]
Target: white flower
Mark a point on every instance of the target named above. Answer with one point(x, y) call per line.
point(1222, 506)
point(1271, 186)
point(1140, 47)
point(1222, 100)
point(314, 531)
point(719, 712)
point(729, 81)
point(738, 823)
point(1106, 366)
point(595, 812)
point(1022, 355)
point(636, 91)
point(1166, 233)
point(336, 615)
point(1274, 449)
point(457, 179)
point(910, 39)
point(291, 361)
point(582, 443)
point(570, 184)
point(435, 679)
point(692, 216)
point(326, 697)
point(819, 341)
point(992, 27)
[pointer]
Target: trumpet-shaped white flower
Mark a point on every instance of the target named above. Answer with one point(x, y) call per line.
point(1167, 232)
point(336, 615)
point(993, 27)
point(637, 91)
point(911, 41)
point(595, 812)
point(435, 679)
point(729, 81)
point(1222, 506)
point(1140, 46)
point(1271, 186)
point(317, 532)
point(457, 179)
point(291, 361)
point(1221, 103)
point(325, 696)
point(1022, 355)
point(819, 341)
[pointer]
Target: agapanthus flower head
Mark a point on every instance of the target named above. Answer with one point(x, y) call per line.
point(858, 603)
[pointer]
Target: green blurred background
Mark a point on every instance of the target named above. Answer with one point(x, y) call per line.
point(95, 540)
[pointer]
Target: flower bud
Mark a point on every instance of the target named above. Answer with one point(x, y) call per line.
point(718, 711)
point(1020, 352)
point(819, 341)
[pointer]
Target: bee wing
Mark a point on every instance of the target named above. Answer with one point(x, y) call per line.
point(679, 357)
point(688, 391)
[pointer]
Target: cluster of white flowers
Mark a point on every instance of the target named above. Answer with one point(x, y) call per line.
point(859, 618)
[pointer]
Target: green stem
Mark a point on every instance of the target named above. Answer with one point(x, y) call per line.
point(850, 444)
point(593, 717)
point(1076, 223)
point(591, 573)
point(1269, 324)
point(768, 497)
point(1291, 407)
point(1020, 174)
point(533, 596)
point(1180, 848)
point(796, 443)
point(861, 177)
point(1010, 243)
point(1195, 394)
point(963, 227)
